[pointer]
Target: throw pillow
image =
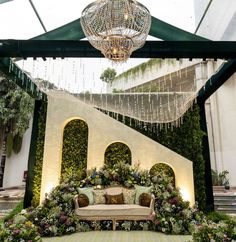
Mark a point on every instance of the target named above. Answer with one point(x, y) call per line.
point(129, 195)
point(145, 199)
point(88, 191)
point(114, 199)
point(99, 197)
point(83, 200)
point(139, 190)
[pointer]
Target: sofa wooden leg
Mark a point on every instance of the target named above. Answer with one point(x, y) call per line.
point(113, 225)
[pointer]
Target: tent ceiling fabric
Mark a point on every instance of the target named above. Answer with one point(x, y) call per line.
point(159, 29)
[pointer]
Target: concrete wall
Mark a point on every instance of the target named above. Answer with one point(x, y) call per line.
point(104, 131)
point(151, 73)
point(219, 24)
point(17, 163)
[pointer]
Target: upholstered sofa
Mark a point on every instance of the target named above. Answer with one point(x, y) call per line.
point(129, 210)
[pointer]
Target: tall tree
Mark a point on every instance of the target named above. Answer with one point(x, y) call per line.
point(16, 108)
point(108, 75)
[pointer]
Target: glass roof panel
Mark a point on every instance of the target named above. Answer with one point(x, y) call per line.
point(56, 13)
point(18, 20)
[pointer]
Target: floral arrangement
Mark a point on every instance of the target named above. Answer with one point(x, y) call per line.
point(210, 231)
point(173, 215)
point(118, 174)
point(56, 217)
point(19, 229)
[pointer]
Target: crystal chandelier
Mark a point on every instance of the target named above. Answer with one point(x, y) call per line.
point(116, 27)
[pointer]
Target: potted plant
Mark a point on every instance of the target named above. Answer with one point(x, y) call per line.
point(220, 179)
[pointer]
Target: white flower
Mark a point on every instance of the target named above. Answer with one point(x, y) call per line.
point(23, 211)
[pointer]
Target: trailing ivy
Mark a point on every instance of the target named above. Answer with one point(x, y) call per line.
point(39, 155)
point(141, 68)
point(74, 151)
point(17, 143)
point(117, 152)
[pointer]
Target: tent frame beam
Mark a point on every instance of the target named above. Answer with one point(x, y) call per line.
point(151, 49)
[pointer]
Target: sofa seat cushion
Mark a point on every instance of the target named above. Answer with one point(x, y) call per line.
point(103, 210)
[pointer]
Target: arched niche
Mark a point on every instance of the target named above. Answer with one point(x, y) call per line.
point(75, 146)
point(163, 168)
point(117, 152)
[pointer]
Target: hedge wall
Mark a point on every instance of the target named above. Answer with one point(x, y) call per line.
point(74, 154)
point(185, 140)
point(39, 155)
point(117, 152)
point(75, 144)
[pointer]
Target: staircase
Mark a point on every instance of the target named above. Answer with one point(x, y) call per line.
point(225, 200)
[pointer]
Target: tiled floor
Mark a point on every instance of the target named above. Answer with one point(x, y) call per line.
point(119, 236)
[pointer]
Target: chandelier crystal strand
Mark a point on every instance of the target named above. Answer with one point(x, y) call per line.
point(116, 27)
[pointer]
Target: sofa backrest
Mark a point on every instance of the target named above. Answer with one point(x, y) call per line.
point(113, 190)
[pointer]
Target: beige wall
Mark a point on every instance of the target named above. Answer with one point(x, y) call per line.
point(103, 131)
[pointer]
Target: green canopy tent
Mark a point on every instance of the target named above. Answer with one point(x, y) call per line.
point(68, 37)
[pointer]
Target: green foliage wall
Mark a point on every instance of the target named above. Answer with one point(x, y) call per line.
point(75, 144)
point(161, 168)
point(74, 154)
point(39, 155)
point(185, 140)
point(117, 152)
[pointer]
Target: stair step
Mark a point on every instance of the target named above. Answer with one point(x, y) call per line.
point(226, 210)
point(225, 203)
point(4, 205)
point(224, 197)
point(225, 206)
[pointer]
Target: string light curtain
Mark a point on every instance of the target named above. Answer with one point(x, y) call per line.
point(162, 100)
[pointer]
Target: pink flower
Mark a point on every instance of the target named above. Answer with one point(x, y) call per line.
point(157, 222)
point(173, 201)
